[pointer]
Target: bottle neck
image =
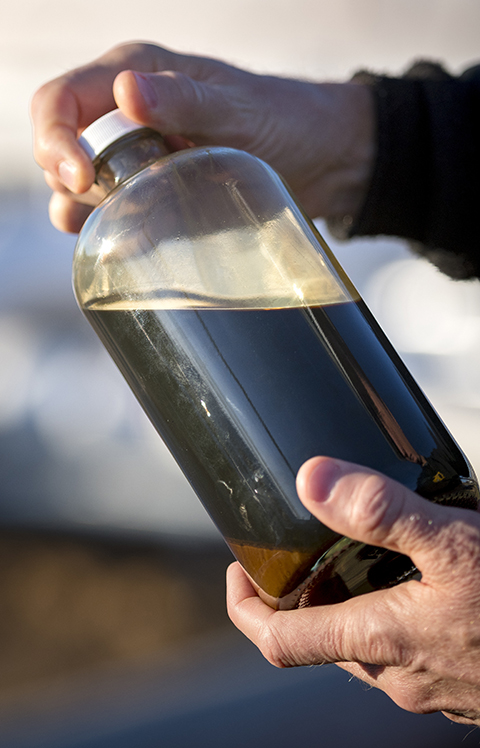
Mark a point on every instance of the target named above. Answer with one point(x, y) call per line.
point(127, 156)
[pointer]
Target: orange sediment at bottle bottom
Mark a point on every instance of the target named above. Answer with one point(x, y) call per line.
point(277, 572)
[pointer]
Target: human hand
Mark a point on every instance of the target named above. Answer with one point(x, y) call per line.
point(318, 136)
point(420, 641)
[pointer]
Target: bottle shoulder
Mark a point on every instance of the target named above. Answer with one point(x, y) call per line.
point(198, 191)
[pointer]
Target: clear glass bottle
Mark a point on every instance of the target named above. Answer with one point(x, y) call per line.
point(251, 351)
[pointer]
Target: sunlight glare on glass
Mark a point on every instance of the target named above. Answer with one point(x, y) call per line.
point(298, 292)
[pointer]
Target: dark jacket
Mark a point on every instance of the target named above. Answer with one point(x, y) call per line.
point(425, 182)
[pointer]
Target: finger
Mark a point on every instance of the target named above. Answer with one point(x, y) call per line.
point(366, 506)
point(68, 104)
point(66, 214)
point(421, 691)
point(56, 116)
point(363, 638)
point(91, 197)
point(464, 717)
point(174, 103)
point(360, 629)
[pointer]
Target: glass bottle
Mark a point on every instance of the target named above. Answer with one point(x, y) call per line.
point(251, 351)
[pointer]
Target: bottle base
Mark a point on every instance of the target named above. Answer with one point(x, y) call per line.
point(347, 570)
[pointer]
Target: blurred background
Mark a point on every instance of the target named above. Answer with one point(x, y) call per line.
point(112, 621)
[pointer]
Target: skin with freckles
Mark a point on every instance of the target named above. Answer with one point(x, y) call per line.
point(420, 641)
point(318, 136)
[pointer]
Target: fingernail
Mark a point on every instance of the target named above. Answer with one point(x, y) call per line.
point(321, 480)
point(146, 90)
point(67, 171)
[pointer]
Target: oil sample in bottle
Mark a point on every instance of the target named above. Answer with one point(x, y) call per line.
point(251, 351)
point(243, 397)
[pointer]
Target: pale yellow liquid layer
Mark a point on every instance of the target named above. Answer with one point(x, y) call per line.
point(274, 266)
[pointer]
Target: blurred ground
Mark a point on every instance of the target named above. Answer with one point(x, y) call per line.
point(124, 647)
point(71, 604)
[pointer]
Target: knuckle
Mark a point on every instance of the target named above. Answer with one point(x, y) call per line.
point(186, 85)
point(126, 49)
point(413, 699)
point(375, 507)
point(458, 556)
point(273, 647)
point(468, 634)
point(386, 642)
point(41, 150)
point(462, 543)
point(383, 648)
point(123, 47)
point(416, 690)
point(38, 98)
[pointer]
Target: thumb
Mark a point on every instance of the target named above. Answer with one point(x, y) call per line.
point(176, 104)
point(369, 507)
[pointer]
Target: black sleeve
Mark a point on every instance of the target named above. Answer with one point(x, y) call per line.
point(425, 183)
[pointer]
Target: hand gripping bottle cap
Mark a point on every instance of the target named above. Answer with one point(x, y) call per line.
point(105, 131)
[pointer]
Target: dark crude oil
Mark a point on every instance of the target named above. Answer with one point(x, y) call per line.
point(243, 397)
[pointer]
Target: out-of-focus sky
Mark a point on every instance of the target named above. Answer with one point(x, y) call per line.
point(40, 39)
